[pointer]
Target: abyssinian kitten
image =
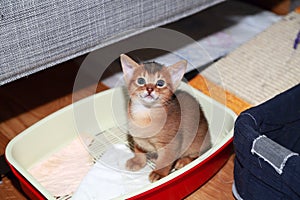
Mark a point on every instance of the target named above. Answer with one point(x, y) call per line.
point(165, 123)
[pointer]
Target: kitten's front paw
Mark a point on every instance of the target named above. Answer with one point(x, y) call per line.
point(135, 164)
point(181, 162)
point(159, 173)
point(154, 176)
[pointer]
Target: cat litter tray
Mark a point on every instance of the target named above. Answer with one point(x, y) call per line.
point(99, 124)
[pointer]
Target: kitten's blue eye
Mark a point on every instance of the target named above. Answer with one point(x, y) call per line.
point(141, 81)
point(160, 83)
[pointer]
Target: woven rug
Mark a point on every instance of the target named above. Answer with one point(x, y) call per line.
point(264, 66)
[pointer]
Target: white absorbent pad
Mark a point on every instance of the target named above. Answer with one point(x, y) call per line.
point(109, 179)
point(63, 171)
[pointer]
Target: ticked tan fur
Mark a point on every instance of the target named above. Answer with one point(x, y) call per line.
point(162, 121)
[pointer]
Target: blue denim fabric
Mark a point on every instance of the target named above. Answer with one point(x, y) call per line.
point(279, 120)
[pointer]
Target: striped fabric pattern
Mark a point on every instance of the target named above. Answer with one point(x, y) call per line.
point(264, 66)
point(36, 34)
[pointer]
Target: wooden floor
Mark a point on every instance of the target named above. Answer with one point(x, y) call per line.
point(26, 101)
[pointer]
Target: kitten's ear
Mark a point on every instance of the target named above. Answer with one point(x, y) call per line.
point(177, 71)
point(128, 66)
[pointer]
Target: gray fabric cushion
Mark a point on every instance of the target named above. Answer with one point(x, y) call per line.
point(35, 35)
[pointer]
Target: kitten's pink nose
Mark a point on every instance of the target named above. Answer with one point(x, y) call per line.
point(149, 90)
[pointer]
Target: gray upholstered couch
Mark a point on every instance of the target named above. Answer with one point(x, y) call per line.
point(38, 34)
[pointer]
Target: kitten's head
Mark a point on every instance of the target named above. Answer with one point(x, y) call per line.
point(151, 83)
